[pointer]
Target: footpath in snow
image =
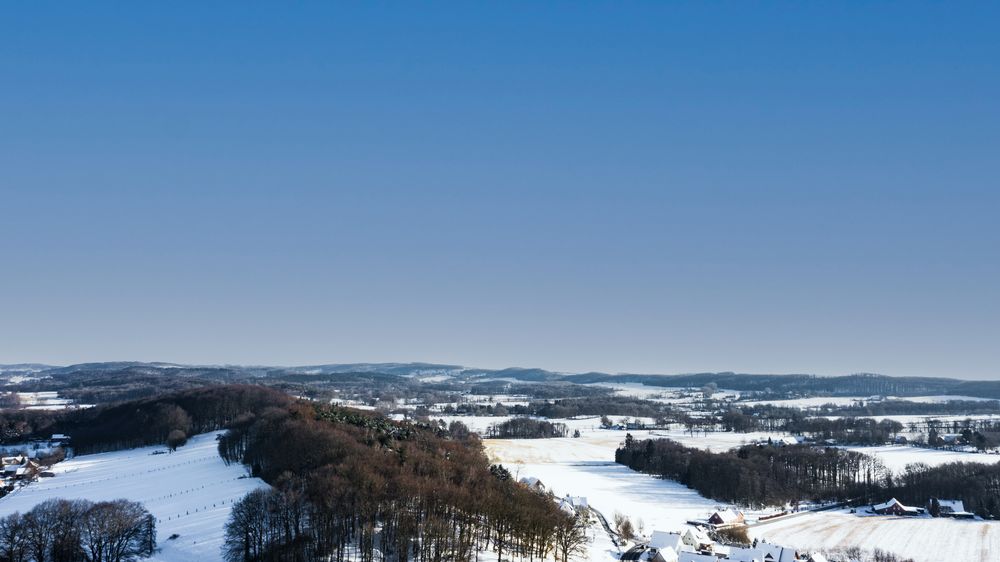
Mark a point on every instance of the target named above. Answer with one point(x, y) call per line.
point(189, 491)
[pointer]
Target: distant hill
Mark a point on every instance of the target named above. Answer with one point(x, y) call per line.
point(864, 384)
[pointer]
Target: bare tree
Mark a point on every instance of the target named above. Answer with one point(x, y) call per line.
point(623, 525)
point(571, 537)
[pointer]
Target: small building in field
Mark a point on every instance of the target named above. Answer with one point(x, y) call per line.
point(895, 507)
point(726, 518)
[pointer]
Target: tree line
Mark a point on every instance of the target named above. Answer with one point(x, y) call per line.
point(155, 420)
point(759, 476)
point(526, 428)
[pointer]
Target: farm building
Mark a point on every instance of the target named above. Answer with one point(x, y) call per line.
point(948, 508)
point(533, 483)
point(894, 507)
point(726, 518)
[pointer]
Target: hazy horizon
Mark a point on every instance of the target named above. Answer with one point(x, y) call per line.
point(662, 188)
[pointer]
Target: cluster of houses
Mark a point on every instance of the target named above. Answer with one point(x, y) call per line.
point(19, 464)
point(693, 545)
point(936, 507)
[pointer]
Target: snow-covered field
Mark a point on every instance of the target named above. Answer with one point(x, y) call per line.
point(924, 539)
point(896, 457)
point(817, 401)
point(47, 401)
point(190, 492)
point(664, 394)
point(585, 467)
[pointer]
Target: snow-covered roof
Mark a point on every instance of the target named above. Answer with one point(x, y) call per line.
point(728, 515)
point(776, 553)
point(696, 536)
point(663, 540)
point(952, 505)
point(744, 554)
point(695, 557)
point(890, 503)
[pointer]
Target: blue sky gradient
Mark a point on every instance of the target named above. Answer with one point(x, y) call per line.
point(616, 186)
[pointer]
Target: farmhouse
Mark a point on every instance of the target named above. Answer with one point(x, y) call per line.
point(726, 518)
point(948, 508)
point(763, 551)
point(533, 483)
point(664, 547)
point(894, 507)
point(20, 468)
point(692, 546)
point(573, 504)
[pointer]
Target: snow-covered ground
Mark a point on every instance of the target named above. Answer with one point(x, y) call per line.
point(896, 457)
point(925, 539)
point(190, 492)
point(664, 394)
point(585, 467)
point(817, 401)
point(48, 400)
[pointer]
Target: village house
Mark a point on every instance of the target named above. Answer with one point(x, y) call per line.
point(894, 507)
point(573, 504)
point(691, 545)
point(726, 518)
point(20, 468)
point(948, 508)
point(533, 483)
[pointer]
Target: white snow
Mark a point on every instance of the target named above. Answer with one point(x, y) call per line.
point(585, 467)
point(925, 539)
point(190, 492)
point(896, 457)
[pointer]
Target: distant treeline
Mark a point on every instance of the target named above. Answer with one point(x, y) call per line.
point(526, 428)
point(810, 385)
point(60, 530)
point(757, 476)
point(355, 484)
point(765, 475)
point(600, 405)
point(152, 421)
point(845, 428)
point(905, 408)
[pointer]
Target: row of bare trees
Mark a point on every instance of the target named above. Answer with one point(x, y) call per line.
point(59, 530)
point(757, 476)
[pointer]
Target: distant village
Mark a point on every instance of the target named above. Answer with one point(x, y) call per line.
point(23, 463)
point(708, 540)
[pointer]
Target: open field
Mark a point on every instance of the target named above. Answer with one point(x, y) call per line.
point(896, 457)
point(924, 539)
point(190, 492)
point(582, 467)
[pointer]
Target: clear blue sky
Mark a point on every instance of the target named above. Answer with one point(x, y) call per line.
point(618, 186)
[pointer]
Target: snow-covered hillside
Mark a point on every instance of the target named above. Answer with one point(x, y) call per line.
point(190, 492)
point(925, 539)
